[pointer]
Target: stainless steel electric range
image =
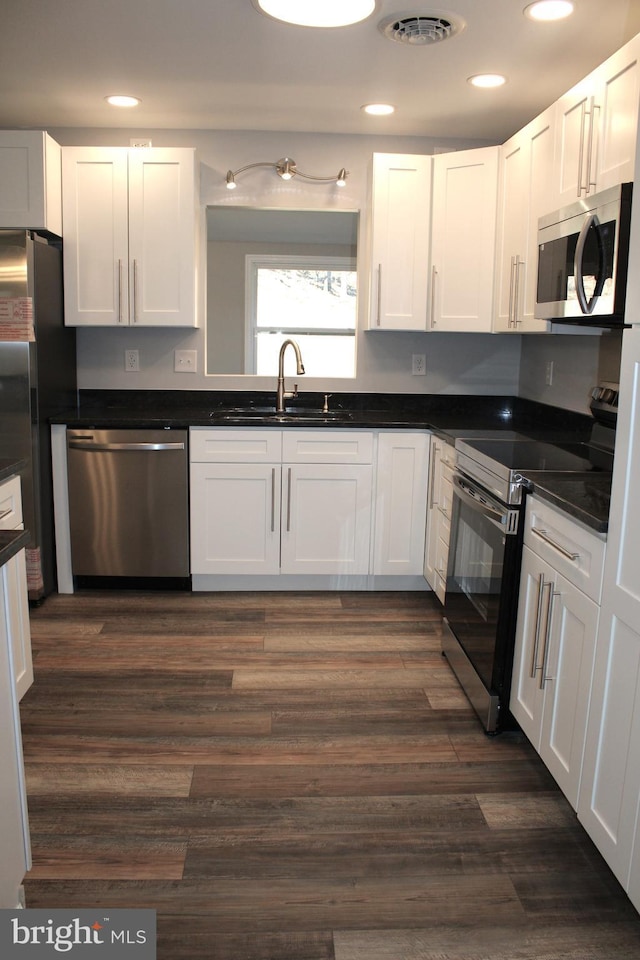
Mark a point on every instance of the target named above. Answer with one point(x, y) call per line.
point(491, 481)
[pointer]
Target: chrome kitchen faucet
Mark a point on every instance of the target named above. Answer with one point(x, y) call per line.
point(281, 395)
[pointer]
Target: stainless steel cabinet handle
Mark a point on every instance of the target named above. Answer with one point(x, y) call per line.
point(434, 274)
point(5, 513)
point(547, 631)
point(592, 147)
point(273, 499)
point(516, 290)
point(379, 294)
point(543, 534)
point(81, 444)
point(135, 291)
point(536, 643)
point(120, 291)
point(288, 499)
point(432, 476)
point(583, 118)
point(511, 288)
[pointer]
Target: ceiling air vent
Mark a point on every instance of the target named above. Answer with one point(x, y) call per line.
point(420, 30)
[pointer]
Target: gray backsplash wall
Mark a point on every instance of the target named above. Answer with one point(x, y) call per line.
point(579, 362)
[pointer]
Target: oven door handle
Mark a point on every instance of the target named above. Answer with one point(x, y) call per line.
point(503, 519)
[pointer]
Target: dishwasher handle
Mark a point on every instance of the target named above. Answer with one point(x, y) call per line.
point(146, 446)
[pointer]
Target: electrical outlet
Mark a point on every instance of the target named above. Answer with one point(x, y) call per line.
point(548, 379)
point(131, 361)
point(185, 361)
point(139, 142)
point(418, 364)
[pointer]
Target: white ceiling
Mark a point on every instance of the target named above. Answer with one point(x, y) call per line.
point(219, 64)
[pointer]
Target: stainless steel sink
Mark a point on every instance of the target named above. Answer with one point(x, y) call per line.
point(268, 414)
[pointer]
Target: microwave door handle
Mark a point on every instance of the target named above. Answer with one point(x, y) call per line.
point(588, 306)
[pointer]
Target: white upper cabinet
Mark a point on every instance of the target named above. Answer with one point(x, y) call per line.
point(465, 187)
point(400, 221)
point(525, 194)
point(30, 181)
point(130, 226)
point(597, 124)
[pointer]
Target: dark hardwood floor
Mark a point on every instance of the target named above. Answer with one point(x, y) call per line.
point(296, 777)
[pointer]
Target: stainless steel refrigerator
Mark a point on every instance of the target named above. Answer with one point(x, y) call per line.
point(37, 377)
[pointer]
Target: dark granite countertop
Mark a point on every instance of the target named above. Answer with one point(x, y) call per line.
point(586, 497)
point(448, 416)
point(11, 542)
point(8, 468)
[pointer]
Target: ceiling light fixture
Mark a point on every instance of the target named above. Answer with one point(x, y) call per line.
point(317, 13)
point(487, 80)
point(378, 109)
point(118, 100)
point(547, 10)
point(286, 168)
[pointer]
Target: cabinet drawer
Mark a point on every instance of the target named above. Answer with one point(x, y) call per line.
point(326, 446)
point(10, 504)
point(225, 445)
point(571, 549)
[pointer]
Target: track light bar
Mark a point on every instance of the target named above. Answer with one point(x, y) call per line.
point(286, 168)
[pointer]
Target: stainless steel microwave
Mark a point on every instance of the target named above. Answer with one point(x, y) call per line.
point(583, 255)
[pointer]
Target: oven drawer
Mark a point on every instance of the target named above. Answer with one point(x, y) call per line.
point(571, 549)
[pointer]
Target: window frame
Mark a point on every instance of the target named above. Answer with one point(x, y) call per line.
point(254, 261)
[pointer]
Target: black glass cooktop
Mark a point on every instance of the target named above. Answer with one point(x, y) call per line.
point(536, 455)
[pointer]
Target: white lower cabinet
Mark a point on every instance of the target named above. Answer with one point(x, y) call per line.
point(440, 500)
point(14, 578)
point(401, 503)
point(280, 502)
point(326, 518)
point(555, 640)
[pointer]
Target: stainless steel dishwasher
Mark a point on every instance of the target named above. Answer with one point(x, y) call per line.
point(128, 502)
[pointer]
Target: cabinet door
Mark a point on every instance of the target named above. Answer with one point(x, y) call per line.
point(513, 224)
point(95, 225)
point(527, 695)
point(162, 237)
point(30, 181)
point(14, 577)
point(14, 822)
point(567, 665)
point(400, 219)
point(609, 803)
point(235, 518)
point(326, 518)
point(465, 187)
point(597, 124)
point(401, 503)
point(429, 569)
point(615, 118)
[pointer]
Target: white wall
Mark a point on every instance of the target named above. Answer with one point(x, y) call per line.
point(455, 363)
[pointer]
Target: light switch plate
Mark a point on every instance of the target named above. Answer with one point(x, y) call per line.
point(185, 361)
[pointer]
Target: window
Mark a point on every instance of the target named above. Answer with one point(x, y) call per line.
point(310, 299)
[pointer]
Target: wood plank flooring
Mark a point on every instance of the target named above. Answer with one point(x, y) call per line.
point(296, 777)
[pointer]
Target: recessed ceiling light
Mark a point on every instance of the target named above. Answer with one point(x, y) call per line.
point(317, 13)
point(121, 101)
point(487, 80)
point(549, 10)
point(378, 109)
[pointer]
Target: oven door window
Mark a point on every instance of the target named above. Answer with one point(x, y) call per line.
point(474, 581)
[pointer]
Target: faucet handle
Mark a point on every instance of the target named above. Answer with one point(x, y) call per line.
point(325, 408)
